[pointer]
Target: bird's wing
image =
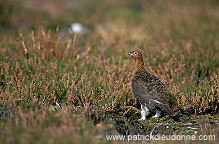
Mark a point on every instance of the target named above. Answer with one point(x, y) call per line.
point(150, 94)
point(144, 92)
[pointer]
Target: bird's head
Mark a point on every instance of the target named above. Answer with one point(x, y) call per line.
point(137, 56)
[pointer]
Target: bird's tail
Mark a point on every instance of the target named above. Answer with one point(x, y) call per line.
point(170, 112)
point(166, 108)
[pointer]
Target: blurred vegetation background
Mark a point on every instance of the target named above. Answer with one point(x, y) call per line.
point(58, 85)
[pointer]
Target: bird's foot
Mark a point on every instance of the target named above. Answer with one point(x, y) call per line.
point(158, 113)
point(156, 116)
point(144, 112)
point(142, 118)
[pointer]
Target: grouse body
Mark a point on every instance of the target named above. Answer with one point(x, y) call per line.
point(148, 89)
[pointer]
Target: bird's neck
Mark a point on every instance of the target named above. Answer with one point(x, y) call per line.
point(139, 65)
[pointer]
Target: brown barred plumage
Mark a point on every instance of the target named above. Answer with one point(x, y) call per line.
point(148, 89)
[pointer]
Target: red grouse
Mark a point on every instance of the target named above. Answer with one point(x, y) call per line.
point(148, 89)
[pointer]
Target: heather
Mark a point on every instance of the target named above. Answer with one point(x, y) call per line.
point(61, 87)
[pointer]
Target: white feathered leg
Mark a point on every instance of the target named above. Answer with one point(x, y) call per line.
point(144, 111)
point(158, 113)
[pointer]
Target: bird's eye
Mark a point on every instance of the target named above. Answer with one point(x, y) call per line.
point(135, 53)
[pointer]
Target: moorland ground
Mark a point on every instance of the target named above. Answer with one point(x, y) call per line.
point(60, 87)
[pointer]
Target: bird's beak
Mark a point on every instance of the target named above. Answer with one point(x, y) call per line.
point(131, 53)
